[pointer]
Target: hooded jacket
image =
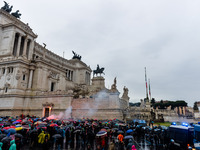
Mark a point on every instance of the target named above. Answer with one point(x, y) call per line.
point(12, 145)
point(133, 147)
point(41, 137)
point(1, 144)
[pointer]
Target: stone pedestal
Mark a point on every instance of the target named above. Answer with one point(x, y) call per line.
point(98, 82)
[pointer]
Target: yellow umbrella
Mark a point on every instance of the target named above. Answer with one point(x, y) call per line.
point(18, 128)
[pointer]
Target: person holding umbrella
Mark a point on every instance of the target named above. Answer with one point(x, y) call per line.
point(12, 145)
point(1, 144)
point(121, 143)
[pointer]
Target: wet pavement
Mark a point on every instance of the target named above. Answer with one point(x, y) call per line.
point(141, 144)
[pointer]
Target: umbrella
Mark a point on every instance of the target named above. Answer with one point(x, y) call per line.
point(18, 125)
point(18, 135)
point(78, 130)
point(115, 129)
point(122, 124)
point(11, 131)
point(6, 139)
point(16, 122)
point(101, 133)
point(2, 136)
point(7, 123)
point(26, 122)
point(25, 127)
point(18, 128)
point(129, 131)
point(38, 122)
point(6, 128)
point(56, 136)
point(41, 125)
point(103, 130)
point(53, 125)
point(120, 132)
point(128, 137)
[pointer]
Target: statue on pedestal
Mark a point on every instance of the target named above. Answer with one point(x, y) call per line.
point(114, 86)
point(125, 94)
point(98, 71)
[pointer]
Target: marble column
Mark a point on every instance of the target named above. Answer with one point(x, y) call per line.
point(25, 46)
point(18, 45)
point(30, 79)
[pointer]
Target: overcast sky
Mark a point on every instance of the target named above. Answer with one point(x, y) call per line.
point(124, 36)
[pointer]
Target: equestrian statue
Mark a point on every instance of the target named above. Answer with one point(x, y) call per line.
point(98, 71)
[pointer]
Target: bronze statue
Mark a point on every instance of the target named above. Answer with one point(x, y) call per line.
point(16, 14)
point(76, 56)
point(6, 7)
point(98, 71)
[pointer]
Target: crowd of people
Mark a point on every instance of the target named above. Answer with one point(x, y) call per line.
point(84, 134)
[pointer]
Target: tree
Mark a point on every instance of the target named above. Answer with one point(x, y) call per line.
point(195, 107)
point(153, 101)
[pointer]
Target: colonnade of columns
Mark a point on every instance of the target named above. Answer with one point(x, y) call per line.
point(69, 75)
point(21, 45)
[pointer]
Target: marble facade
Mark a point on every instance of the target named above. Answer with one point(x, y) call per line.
point(36, 81)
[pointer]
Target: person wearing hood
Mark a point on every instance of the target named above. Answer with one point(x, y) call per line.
point(1, 144)
point(133, 147)
point(130, 144)
point(41, 137)
point(12, 145)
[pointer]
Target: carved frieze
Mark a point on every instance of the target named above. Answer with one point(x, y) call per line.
point(53, 75)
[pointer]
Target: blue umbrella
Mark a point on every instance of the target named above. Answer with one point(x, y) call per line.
point(11, 131)
point(129, 131)
point(16, 122)
point(128, 137)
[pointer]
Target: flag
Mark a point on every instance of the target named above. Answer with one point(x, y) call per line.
point(146, 83)
point(149, 90)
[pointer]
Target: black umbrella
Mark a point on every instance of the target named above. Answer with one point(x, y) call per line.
point(2, 136)
point(6, 139)
point(128, 137)
point(18, 135)
point(120, 132)
point(41, 125)
point(56, 136)
point(27, 122)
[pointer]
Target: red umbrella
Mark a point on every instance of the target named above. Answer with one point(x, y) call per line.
point(6, 128)
point(53, 125)
point(103, 130)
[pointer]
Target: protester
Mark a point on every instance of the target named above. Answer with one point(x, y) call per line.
point(133, 147)
point(1, 144)
point(12, 145)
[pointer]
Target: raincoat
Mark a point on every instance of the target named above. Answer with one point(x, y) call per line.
point(130, 144)
point(12, 145)
point(41, 137)
point(1, 144)
point(133, 147)
point(120, 137)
